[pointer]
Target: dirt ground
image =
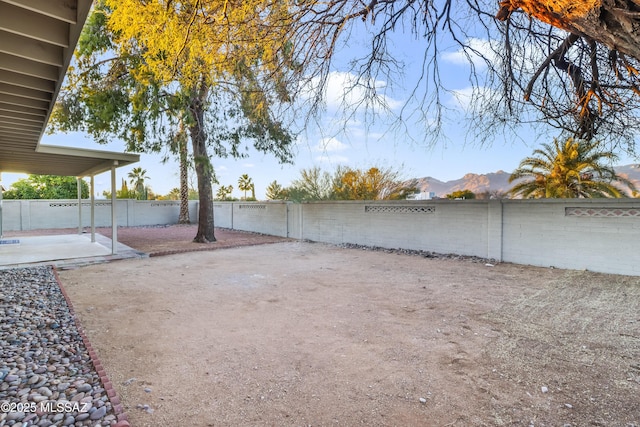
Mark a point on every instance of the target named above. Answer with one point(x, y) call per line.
point(298, 334)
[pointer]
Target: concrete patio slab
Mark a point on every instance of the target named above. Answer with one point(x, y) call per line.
point(63, 251)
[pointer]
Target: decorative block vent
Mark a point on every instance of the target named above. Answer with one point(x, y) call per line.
point(400, 209)
point(252, 206)
point(63, 205)
point(603, 212)
point(75, 205)
point(165, 204)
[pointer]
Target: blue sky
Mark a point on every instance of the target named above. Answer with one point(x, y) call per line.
point(355, 142)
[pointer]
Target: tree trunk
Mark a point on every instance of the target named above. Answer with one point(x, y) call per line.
point(184, 178)
point(613, 23)
point(204, 174)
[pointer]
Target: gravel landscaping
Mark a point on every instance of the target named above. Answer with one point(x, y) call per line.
point(47, 375)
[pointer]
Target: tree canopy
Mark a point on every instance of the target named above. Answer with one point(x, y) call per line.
point(144, 70)
point(233, 72)
point(47, 187)
point(312, 185)
point(371, 184)
point(275, 191)
point(570, 64)
point(346, 183)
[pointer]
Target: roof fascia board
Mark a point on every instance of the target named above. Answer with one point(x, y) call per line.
point(85, 152)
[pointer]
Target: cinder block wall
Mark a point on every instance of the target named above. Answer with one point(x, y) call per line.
point(438, 227)
point(223, 214)
point(595, 234)
point(39, 214)
point(266, 218)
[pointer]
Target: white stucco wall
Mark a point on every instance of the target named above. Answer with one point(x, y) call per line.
point(595, 234)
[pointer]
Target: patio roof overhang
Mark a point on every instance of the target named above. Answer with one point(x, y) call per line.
point(37, 40)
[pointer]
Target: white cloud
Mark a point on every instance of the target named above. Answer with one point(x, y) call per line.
point(344, 87)
point(248, 165)
point(330, 144)
point(344, 91)
point(478, 51)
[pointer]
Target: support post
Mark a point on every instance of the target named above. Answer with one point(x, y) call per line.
point(79, 194)
point(93, 209)
point(114, 222)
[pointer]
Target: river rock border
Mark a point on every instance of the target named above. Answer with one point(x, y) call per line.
point(49, 372)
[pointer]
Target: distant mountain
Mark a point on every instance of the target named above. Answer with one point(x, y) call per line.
point(496, 182)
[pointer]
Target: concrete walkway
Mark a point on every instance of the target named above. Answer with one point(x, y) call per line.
point(63, 251)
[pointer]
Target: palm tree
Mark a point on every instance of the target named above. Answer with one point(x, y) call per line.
point(244, 184)
point(224, 192)
point(136, 178)
point(575, 169)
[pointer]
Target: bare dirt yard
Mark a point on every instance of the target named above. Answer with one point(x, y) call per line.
point(299, 334)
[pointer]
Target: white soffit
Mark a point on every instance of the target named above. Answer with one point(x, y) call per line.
point(37, 39)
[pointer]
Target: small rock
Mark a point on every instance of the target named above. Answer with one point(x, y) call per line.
point(568, 405)
point(29, 418)
point(45, 391)
point(11, 378)
point(423, 400)
point(77, 397)
point(38, 398)
point(544, 389)
point(84, 388)
point(82, 416)
point(15, 416)
point(99, 413)
point(147, 390)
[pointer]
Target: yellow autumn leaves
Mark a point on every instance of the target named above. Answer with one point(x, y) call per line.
point(201, 40)
point(555, 12)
